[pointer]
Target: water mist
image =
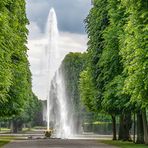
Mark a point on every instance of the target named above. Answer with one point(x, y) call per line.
point(59, 107)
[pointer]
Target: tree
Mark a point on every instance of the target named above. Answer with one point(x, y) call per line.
point(88, 92)
point(71, 67)
point(134, 54)
point(33, 112)
point(96, 22)
point(15, 76)
point(6, 40)
point(111, 67)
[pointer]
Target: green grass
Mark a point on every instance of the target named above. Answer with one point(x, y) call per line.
point(3, 142)
point(4, 129)
point(122, 144)
point(39, 127)
point(6, 139)
point(97, 123)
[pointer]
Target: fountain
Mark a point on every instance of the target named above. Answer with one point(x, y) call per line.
point(59, 107)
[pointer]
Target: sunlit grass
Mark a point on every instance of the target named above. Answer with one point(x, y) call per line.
point(5, 139)
point(40, 127)
point(3, 142)
point(4, 130)
point(97, 123)
point(122, 144)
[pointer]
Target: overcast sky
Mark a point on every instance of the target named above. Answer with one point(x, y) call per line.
point(70, 13)
point(70, 17)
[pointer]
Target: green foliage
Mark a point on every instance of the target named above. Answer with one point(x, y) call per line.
point(15, 76)
point(96, 22)
point(72, 65)
point(78, 87)
point(3, 142)
point(116, 78)
point(32, 111)
point(111, 67)
point(134, 51)
point(117, 52)
point(88, 91)
point(115, 102)
point(6, 39)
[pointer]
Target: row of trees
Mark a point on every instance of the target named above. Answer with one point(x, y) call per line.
point(115, 80)
point(71, 67)
point(16, 96)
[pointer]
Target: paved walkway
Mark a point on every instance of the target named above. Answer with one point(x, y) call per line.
point(56, 143)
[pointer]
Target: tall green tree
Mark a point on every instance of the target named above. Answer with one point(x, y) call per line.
point(71, 67)
point(112, 61)
point(30, 115)
point(111, 76)
point(134, 53)
point(96, 22)
point(88, 91)
point(14, 74)
point(6, 41)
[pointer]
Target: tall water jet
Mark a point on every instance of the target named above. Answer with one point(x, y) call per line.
point(51, 55)
point(59, 107)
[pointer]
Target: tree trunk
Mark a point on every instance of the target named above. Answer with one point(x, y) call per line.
point(15, 126)
point(140, 132)
point(145, 126)
point(0, 126)
point(124, 127)
point(11, 126)
point(114, 127)
point(120, 137)
point(134, 136)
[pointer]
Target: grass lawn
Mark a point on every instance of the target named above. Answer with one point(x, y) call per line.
point(122, 144)
point(4, 130)
point(4, 140)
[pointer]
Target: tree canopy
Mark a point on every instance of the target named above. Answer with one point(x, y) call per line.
point(15, 77)
point(115, 79)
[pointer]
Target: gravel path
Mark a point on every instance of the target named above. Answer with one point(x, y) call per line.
point(56, 143)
